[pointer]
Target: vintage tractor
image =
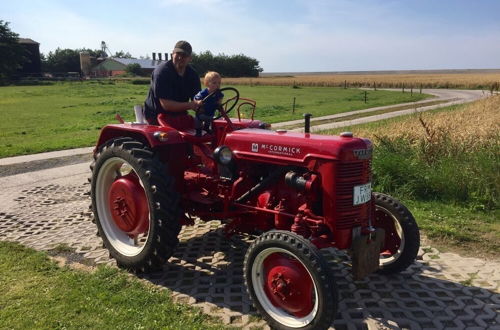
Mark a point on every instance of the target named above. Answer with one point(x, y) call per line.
point(300, 192)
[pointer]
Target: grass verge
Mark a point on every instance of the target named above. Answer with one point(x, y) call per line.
point(37, 294)
point(446, 164)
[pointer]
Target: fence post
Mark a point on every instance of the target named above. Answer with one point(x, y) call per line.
point(411, 91)
point(293, 105)
point(345, 84)
point(365, 96)
point(374, 86)
point(420, 88)
point(403, 88)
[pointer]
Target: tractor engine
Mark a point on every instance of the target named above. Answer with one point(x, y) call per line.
point(317, 186)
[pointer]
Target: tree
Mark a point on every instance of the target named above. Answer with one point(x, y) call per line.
point(62, 60)
point(122, 54)
point(228, 66)
point(12, 54)
point(134, 68)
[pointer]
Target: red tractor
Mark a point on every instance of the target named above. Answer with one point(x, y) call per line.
point(301, 192)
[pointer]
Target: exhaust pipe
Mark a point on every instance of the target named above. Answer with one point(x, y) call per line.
point(307, 124)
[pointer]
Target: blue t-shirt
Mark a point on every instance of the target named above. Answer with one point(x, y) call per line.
point(212, 103)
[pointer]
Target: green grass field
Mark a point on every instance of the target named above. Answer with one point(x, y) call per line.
point(37, 294)
point(69, 115)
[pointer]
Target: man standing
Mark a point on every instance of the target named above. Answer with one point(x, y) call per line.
point(173, 87)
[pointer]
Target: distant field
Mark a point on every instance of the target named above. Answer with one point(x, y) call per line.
point(486, 80)
point(69, 115)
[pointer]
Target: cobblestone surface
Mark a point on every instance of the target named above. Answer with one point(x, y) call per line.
point(440, 291)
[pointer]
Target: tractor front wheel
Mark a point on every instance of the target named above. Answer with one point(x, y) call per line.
point(402, 236)
point(135, 206)
point(290, 282)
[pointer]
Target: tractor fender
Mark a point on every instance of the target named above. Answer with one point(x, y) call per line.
point(140, 132)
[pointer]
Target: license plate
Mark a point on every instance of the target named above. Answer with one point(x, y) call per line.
point(362, 194)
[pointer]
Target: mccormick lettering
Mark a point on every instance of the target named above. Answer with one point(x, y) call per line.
point(275, 149)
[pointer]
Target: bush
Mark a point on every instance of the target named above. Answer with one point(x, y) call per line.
point(134, 69)
point(140, 82)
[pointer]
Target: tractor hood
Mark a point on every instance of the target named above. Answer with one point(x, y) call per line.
point(278, 146)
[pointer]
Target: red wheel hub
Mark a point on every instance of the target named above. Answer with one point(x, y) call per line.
point(288, 285)
point(129, 205)
point(392, 239)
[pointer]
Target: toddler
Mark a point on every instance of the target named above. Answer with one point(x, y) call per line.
point(205, 115)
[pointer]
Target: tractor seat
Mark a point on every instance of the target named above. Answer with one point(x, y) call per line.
point(184, 125)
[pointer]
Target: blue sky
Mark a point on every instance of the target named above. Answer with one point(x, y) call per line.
point(284, 35)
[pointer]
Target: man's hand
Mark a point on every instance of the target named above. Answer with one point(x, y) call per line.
point(196, 104)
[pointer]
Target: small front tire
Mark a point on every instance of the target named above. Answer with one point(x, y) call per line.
point(290, 282)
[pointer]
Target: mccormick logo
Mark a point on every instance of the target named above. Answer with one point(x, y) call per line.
point(275, 149)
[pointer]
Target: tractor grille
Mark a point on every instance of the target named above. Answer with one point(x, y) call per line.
point(348, 176)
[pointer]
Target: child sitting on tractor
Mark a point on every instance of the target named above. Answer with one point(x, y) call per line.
point(205, 114)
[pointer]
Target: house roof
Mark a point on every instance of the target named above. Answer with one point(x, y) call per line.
point(27, 41)
point(144, 63)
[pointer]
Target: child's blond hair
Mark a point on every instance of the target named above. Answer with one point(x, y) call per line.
point(211, 75)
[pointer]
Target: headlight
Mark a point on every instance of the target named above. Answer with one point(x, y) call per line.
point(161, 136)
point(223, 155)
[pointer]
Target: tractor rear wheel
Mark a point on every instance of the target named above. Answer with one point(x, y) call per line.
point(290, 282)
point(135, 206)
point(402, 236)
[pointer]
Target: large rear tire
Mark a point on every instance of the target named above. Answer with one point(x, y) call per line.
point(402, 236)
point(290, 282)
point(135, 205)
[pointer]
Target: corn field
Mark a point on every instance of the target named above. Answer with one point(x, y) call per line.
point(487, 81)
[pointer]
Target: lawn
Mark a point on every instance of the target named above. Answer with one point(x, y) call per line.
point(69, 115)
point(37, 294)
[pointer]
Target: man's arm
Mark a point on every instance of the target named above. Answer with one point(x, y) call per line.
point(175, 106)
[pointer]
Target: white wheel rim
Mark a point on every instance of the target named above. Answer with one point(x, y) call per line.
point(120, 241)
point(399, 231)
point(278, 314)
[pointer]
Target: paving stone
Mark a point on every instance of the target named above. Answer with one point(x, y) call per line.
point(207, 269)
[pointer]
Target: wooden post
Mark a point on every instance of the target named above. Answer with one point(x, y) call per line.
point(345, 84)
point(420, 88)
point(403, 88)
point(365, 96)
point(411, 91)
point(293, 105)
point(374, 86)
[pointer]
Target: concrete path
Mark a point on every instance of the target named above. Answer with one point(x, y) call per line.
point(446, 96)
point(44, 208)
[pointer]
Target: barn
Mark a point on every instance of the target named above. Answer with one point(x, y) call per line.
point(113, 66)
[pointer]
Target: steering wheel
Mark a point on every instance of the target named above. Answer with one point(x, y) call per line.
point(225, 107)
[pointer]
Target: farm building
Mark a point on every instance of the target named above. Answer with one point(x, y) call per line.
point(33, 65)
point(113, 66)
